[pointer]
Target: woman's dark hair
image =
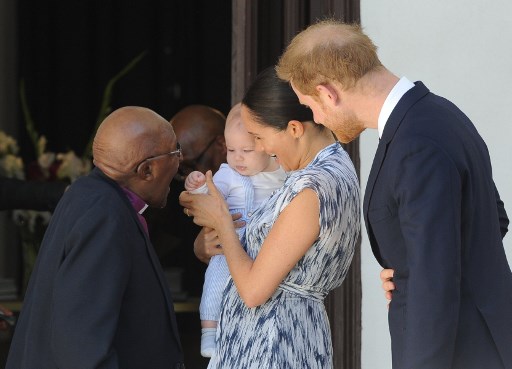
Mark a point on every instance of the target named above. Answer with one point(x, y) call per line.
point(273, 103)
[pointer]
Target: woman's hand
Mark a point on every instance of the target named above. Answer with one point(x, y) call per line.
point(209, 210)
point(207, 243)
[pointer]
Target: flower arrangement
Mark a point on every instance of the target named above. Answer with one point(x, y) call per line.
point(48, 166)
point(10, 164)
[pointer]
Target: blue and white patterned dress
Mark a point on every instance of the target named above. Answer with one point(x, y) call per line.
point(291, 329)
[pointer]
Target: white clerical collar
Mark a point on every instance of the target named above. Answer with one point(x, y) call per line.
point(402, 86)
point(143, 209)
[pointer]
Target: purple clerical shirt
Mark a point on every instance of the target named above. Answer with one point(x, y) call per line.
point(139, 205)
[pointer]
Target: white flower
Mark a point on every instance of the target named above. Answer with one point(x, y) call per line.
point(41, 145)
point(12, 166)
point(45, 160)
point(8, 145)
point(71, 166)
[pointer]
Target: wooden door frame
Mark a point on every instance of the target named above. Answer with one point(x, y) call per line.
point(343, 305)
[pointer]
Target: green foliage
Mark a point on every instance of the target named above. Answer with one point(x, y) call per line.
point(105, 108)
point(29, 122)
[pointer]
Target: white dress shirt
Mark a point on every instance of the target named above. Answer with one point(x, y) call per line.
point(391, 101)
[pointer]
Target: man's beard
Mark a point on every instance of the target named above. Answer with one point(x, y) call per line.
point(346, 127)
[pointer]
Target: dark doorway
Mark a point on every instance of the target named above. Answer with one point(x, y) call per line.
point(68, 51)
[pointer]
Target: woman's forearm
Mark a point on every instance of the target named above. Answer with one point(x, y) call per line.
point(239, 263)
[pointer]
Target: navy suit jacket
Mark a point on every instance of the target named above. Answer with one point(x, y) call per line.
point(97, 297)
point(433, 214)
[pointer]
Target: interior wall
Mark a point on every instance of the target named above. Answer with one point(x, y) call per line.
point(460, 50)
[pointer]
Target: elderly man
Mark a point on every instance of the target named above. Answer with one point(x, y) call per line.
point(200, 131)
point(98, 297)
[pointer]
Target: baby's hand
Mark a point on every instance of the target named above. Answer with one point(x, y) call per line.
point(194, 180)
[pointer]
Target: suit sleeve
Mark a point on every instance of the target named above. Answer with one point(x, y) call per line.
point(89, 290)
point(428, 192)
point(32, 195)
point(502, 214)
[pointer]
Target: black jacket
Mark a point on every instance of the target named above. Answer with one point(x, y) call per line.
point(97, 297)
point(433, 214)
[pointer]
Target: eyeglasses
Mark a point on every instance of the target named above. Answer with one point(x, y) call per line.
point(176, 152)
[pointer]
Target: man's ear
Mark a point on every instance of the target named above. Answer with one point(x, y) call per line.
point(328, 94)
point(144, 171)
point(221, 141)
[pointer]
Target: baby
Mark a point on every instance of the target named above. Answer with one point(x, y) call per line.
point(248, 178)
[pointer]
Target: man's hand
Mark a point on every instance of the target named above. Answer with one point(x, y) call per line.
point(386, 276)
point(207, 245)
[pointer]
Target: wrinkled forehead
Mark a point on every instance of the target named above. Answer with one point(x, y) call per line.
point(154, 142)
point(168, 141)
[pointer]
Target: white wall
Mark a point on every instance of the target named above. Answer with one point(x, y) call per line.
point(461, 50)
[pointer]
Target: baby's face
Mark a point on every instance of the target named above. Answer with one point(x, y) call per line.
point(242, 155)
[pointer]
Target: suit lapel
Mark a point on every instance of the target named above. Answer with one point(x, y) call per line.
point(157, 267)
point(154, 259)
point(163, 285)
point(395, 119)
point(377, 163)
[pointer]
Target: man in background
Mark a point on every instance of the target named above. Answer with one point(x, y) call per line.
point(200, 131)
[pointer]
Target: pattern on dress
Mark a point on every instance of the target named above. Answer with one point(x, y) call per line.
point(291, 329)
